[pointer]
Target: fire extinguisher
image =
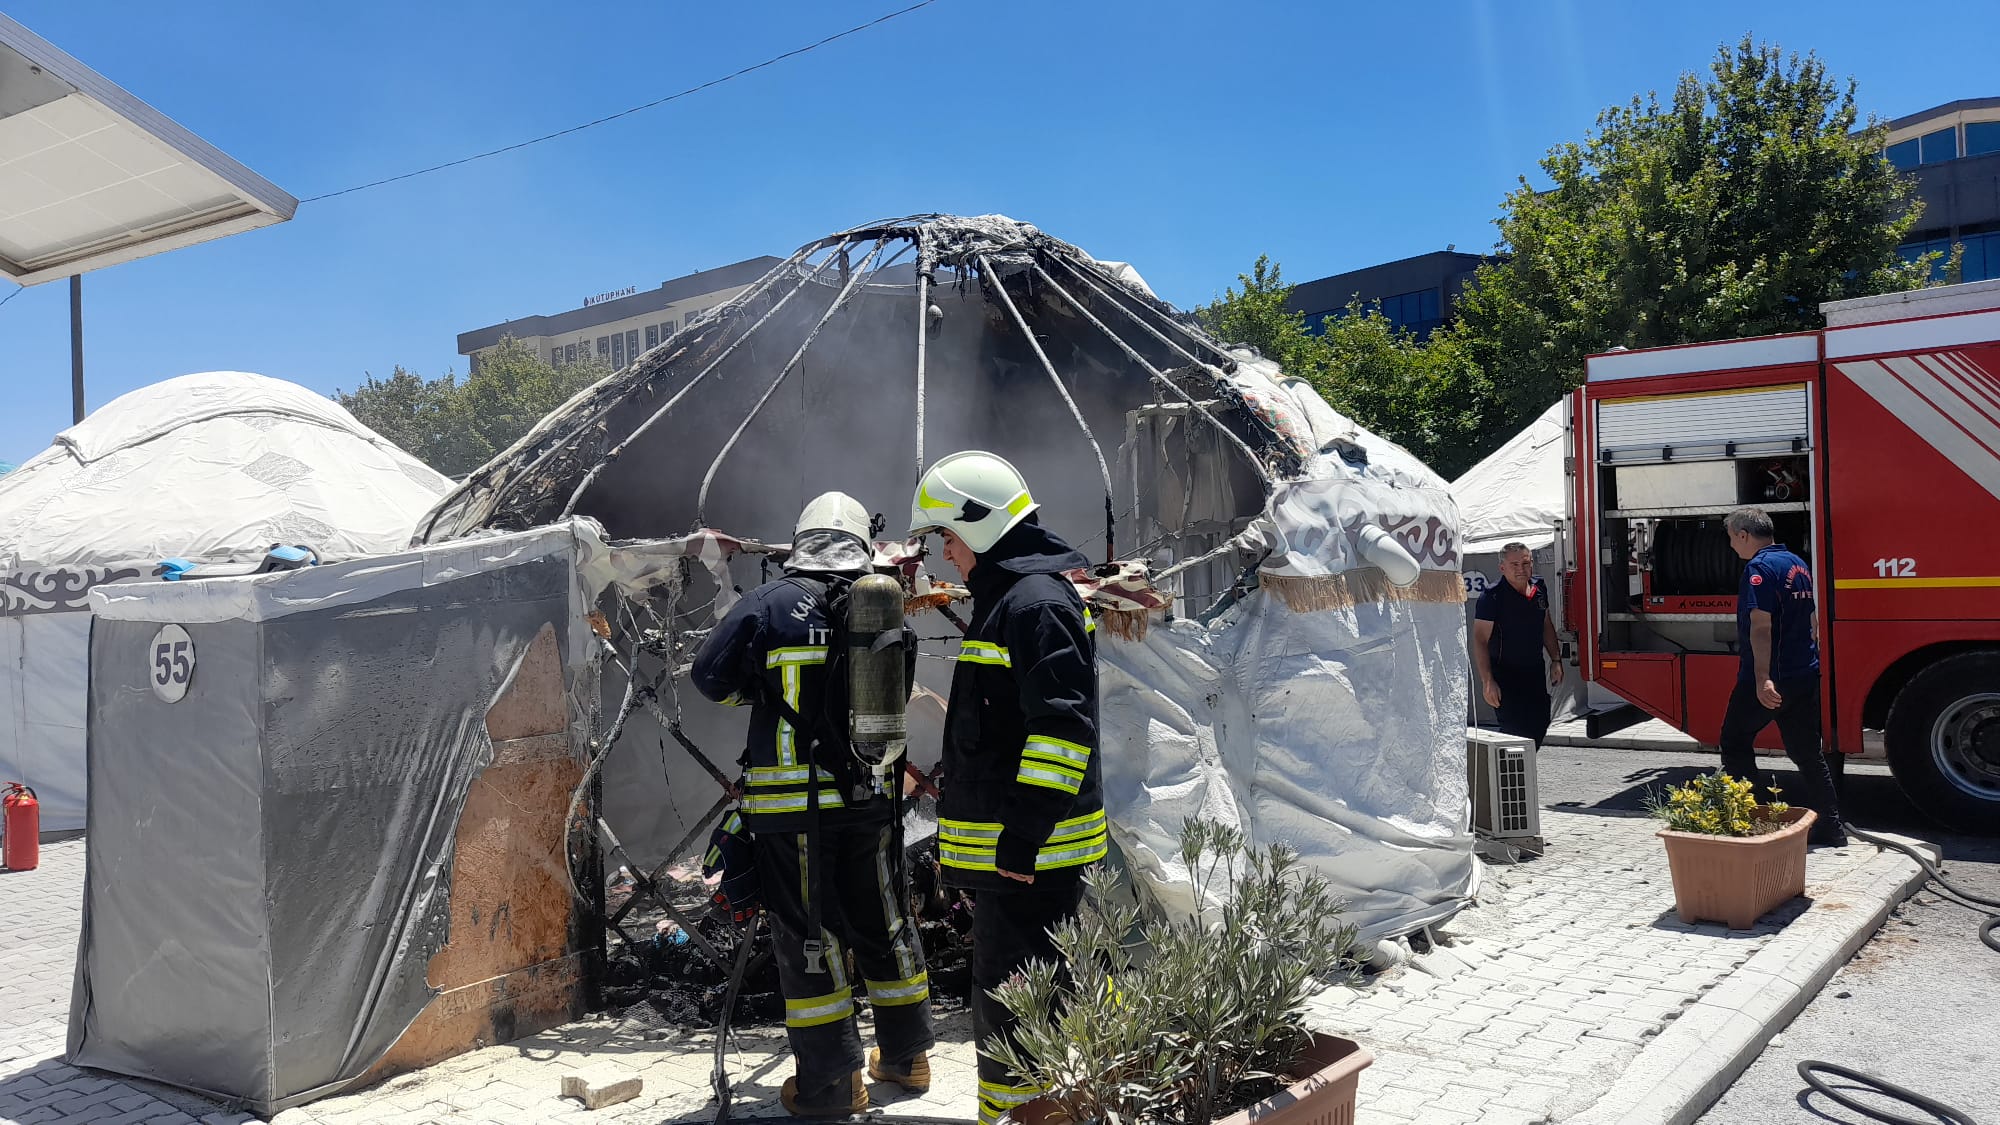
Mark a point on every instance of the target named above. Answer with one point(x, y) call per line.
point(21, 847)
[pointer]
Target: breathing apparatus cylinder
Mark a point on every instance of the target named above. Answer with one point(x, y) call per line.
point(878, 698)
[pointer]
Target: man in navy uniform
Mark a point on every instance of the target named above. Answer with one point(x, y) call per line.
point(1510, 632)
point(1777, 635)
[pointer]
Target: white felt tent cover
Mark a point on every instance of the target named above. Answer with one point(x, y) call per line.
point(1518, 492)
point(211, 467)
point(1337, 732)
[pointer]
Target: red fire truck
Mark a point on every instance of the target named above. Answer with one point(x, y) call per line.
point(1875, 446)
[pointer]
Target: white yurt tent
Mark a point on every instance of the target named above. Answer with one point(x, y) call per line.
point(1520, 494)
point(214, 467)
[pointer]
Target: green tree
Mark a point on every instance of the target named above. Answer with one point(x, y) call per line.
point(1733, 209)
point(454, 425)
point(1429, 398)
point(1256, 315)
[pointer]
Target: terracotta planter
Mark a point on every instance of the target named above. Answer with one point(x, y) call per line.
point(1322, 1092)
point(1736, 880)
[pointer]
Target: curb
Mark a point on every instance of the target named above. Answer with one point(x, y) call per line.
point(1685, 1068)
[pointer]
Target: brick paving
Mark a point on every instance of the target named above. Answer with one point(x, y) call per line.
point(1528, 1008)
point(1535, 1002)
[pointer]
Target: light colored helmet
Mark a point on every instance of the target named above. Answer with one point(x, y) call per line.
point(975, 495)
point(832, 536)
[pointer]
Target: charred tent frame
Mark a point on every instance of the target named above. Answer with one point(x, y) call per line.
point(851, 365)
point(845, 319)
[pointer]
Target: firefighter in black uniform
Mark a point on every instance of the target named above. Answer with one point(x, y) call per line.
point(1021, 812)
point(770, 652)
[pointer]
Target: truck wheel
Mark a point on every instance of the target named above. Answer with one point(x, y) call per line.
point(1944, 741)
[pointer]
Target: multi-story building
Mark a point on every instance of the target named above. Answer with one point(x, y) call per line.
point(619, 326)
point(1954, 151)
point(1414, 293)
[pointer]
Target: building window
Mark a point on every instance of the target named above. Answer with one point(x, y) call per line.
point(652, 336)
point(1418, 312)
point(666, 329)
point(1980, 263)
point(1940, 146)
point(569, 353)
point(1903, 154)
point(604, 347)
point(632, 343)
point(1982, 137)
point(555, 356)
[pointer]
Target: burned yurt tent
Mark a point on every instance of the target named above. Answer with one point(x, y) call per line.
point(1284, 646)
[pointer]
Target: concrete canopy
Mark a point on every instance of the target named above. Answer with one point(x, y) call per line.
point(90, 176)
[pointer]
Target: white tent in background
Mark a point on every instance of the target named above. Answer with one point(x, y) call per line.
point(214, 467)
point(1520, 494)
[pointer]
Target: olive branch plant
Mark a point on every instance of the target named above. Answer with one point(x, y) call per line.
point(1201, 1014)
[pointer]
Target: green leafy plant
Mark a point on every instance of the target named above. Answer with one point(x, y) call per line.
point(1716, 804)
point(1201, 1015)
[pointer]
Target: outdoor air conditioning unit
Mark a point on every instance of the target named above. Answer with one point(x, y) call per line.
point(1500, 775)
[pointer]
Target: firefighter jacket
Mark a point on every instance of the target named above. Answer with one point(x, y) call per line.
point(772, 645)
point(1021, 790)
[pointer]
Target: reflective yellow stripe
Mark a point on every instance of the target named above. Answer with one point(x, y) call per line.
point(973, 845)
point(788, 677)
point(967, 861)
point(990, 829)
point(816, 1010)
point(1076, 828)
point(1049, 859)
point(1089, 622)
point(1048, 777)
point(996, 1099)
point(1970, 583)
point(1019, 503)
point(793, 777)
point(777, 775)
point(984, 652)
point(1057, 749)
point(927, 501)
point(895, 993)
point(789, 802)
point(798, 654)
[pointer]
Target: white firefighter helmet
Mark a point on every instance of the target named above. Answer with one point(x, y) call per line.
point(832, 536)
point(975, 495)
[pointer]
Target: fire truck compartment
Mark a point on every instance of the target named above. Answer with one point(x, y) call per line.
point(1662, 428)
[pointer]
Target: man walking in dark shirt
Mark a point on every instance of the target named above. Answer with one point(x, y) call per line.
point(1510, 632)
point(1777, 636)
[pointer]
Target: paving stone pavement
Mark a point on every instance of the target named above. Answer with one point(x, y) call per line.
point(1528, 1008)
point(1533, 1004)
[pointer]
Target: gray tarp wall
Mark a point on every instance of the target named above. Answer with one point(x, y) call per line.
point(270, 856)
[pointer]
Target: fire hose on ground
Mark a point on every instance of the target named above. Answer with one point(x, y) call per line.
point(1814, 1071)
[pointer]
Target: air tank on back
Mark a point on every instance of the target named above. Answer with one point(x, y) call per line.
point(878, 693)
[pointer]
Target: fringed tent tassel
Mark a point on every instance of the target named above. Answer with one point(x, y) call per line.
point(1361, 586)
point(1125, 624)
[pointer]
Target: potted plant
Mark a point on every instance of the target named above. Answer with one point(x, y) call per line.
point(1733, 860)
point(1203, 1017)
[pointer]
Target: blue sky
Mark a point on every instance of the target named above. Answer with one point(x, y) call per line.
point(1186, 138)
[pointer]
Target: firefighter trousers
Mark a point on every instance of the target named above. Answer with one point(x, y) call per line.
point(1010, 928)
point(860, 884)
